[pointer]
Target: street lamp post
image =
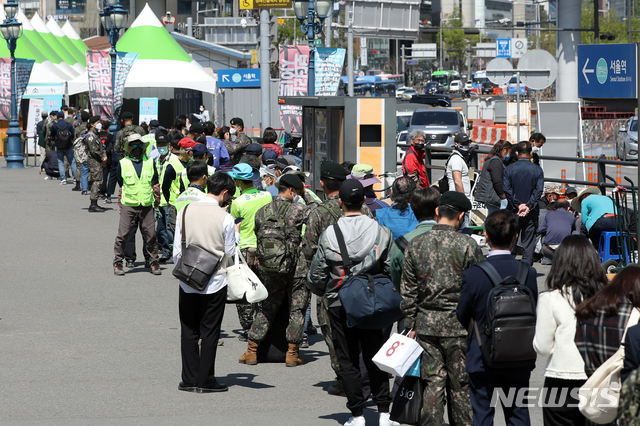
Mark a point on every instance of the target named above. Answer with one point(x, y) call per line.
point(11, 31)
point(113, 18)
point(307, 11)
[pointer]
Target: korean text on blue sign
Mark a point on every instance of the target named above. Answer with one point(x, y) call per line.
point(607, 71)
point(503, 48)
point(249, 77)
point(148, 109)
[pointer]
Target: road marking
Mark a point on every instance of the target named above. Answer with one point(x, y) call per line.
point(586, 71)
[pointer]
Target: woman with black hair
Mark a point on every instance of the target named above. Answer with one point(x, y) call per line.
point(489, 189)
point(400, 218)
point(576, 275)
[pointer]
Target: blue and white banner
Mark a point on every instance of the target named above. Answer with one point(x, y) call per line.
point(148, 109)
point(123, 65)
point(328, 68)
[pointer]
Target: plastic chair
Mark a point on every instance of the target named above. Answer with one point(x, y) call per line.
point(608, 247)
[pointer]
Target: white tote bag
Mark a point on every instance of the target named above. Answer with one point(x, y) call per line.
point(601, 391)
point(398, 354)
point(243, 282)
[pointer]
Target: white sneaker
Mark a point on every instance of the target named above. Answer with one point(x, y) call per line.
point(386, 421)
point(355, 421)
point(47, 178)
point(63, 182)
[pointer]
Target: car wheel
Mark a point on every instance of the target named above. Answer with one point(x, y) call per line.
point(609, 266)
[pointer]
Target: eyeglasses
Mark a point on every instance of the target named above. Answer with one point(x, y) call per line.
point(134, 146)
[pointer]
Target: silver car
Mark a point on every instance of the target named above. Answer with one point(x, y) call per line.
point(439, 125)
point(627, 145)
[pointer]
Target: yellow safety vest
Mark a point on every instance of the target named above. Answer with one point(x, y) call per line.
point(161, 167)
point(137, 191)
point(175, 185)
point(189, 196)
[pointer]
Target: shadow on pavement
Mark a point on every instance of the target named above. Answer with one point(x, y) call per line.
point(244, 380)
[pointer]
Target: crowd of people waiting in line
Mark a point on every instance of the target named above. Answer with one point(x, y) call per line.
point(251, 197)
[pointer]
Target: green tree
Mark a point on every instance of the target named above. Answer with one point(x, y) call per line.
point(609, 23)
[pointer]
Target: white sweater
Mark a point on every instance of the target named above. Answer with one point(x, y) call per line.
point(555, 337)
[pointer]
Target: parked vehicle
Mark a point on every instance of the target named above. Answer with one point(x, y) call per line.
point(468, 85)
point(440, 125)
point(455, 86)
point(400, 91)
point(433, 100)
point(487, 88)
point(408, 94)
point(627, 144)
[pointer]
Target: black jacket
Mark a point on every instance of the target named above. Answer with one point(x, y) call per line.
point(523, 183)
point(631, 352)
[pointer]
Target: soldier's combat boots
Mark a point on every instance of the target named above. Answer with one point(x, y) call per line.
point(293, 356)
point(77, 187)
point(250, 357)
point(95, 208)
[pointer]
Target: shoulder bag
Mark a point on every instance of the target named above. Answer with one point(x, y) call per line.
point(243, 285)
point(196, 265)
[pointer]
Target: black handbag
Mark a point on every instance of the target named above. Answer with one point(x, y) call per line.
point(196, 266)
point(408, 401)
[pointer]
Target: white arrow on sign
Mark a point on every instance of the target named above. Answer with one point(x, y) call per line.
point(225, 79)
point(585, 71)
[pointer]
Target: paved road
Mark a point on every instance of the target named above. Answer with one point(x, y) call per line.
point(81, 346)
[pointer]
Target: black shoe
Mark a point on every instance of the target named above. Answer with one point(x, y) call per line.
point(85, 192)
point(243, 337)
point(218, 387)
point(117, 269)
point(147, 264)
point(187, 387)
point(77, 187)
point(336, 390)
point(95, 208)
point(108, 199)
point(131, 264)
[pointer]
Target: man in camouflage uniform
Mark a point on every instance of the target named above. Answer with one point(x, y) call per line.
point(629, 406)
point(288, 286)
point(82, 169)
point(430, 287)
point(320, 218)
point(96, 161)
point(236, 149)
point(127, 130)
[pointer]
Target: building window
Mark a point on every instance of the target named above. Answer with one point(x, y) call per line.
point(184, 7)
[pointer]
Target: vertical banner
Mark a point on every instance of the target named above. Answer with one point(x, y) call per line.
point(328, 62)
point(36, 106)
point(363, 51)
point(148, 109)
point(294, 68)
point(100, 92)
point(123, 66)
point(23, 73)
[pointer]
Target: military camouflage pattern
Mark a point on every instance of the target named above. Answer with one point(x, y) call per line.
point(123, 134)
point(280, 289)
point(442, 366)
point(325, 328)
point(432, 279)
point(78, 131)
point(629, 408)
point(236, 149)
point(246, 311)
point(96, 153)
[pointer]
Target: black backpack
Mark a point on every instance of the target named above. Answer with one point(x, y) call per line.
point(64, 137)
point(511, 321)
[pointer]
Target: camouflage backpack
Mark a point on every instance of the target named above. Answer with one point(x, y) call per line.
point(334, 211)
point(80, 150)
point(274, 256)
point(629, 405)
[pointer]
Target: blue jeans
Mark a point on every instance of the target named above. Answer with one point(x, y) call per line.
point(84, 177)
point(164, 234)
point(72, 162)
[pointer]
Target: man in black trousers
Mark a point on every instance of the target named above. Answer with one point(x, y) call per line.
point(523, 183)
point(207, 225)
point(501, 231)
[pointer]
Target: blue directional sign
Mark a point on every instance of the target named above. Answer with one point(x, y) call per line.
point(503, 48)
point(249, 77)
point(607, 71)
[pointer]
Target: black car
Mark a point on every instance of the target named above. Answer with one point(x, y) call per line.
point(433, 88)
point(487, 88)
point(433, 100)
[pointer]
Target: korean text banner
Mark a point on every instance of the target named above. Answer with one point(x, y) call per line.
point(23, 73)
point(123, 66)
point(148, 109)
point(294, 68)
point(100, 89)
point(328, 62)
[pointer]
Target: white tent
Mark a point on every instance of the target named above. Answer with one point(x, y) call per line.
point(161, 61)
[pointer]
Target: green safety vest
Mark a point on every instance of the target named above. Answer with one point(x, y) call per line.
point(161, 167)
point(189, 196)
point(184, 180)
point(151, 139)
point(137, 191)
point(246, 206)
point(175, 185)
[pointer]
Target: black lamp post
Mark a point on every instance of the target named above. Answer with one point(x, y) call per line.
point(307, 11)
point(113, 18)
point(11, 31)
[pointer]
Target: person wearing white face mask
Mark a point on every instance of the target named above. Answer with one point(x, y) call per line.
point(241, 142)
point(537, 140)
point(97, 161)
point(203, 115)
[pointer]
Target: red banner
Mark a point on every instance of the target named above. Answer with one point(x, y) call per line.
point(294, 68)
point(100, 85)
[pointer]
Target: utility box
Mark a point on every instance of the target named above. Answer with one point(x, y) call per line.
point(336, 128)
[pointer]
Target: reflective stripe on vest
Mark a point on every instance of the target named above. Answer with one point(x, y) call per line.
point(188, 197)
point(175, 185)
point(137, 191)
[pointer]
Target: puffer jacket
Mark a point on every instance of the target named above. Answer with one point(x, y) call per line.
point(368, 245)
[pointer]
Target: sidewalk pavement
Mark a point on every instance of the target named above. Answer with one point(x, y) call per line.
point(81, 346)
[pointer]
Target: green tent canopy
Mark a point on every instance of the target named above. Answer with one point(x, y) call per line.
point(57, 32)
point(45, 33)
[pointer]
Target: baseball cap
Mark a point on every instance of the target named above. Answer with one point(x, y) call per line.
point(270, 170)
point(552, 189)
point(363, 173)
point(126, 115)
point(94, 119)
point(236, 121)
point(461, 138)
point(186, 143)
point(456, 200)
point(84, 115)
point(254, 148)
point(351, 191)
point(199, 149)
point(196, 128)
point(244, 171)
point(571, 190)
point(291, 181)
point(269, 157)
point(333, 170)
point(154, 123)
point(161, 136)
